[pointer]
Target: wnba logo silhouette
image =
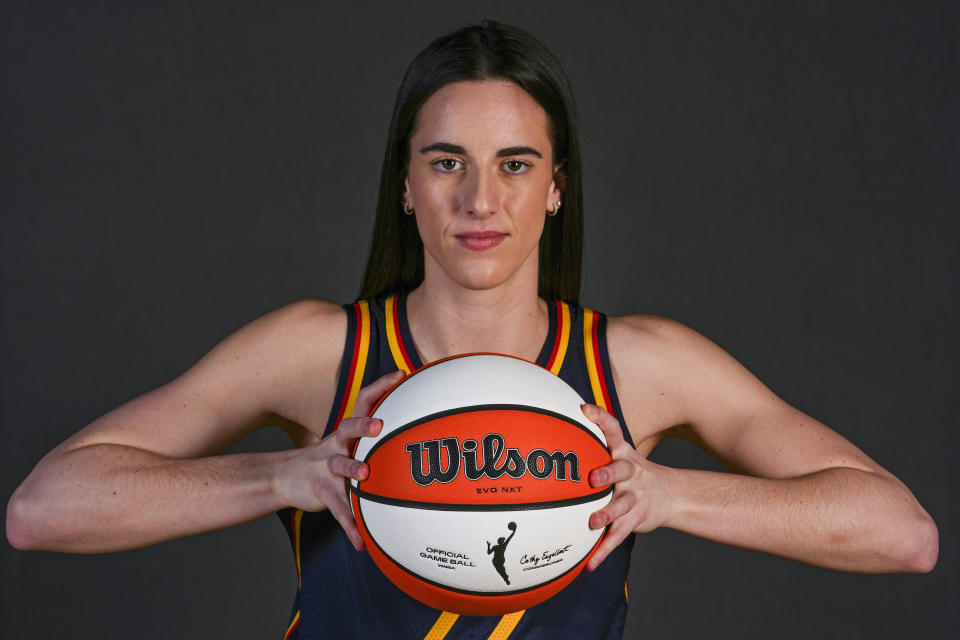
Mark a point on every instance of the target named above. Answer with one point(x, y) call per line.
point(497, 461)
point(498, 550)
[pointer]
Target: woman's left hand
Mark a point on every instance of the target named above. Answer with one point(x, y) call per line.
point(641, 498)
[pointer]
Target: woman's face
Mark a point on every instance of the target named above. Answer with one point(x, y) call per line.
point(481, 180)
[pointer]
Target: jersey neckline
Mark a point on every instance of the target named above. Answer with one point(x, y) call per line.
point(411, 348)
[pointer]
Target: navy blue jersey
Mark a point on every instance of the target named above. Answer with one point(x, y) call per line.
point(342, 593)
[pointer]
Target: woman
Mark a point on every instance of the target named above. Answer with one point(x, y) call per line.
point(477, 237)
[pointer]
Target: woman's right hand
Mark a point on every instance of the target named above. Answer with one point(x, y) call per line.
point(316, 476)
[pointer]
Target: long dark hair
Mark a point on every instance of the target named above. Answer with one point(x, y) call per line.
point(480, 52)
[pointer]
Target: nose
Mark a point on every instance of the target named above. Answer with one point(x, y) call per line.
point(481, 197)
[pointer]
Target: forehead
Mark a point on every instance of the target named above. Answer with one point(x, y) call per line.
point(497, 113)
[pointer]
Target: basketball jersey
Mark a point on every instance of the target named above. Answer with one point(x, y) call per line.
point(342, 593)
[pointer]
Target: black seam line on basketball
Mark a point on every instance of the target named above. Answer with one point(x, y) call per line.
point(482, 594)
point(481, 407)
point(528, 506)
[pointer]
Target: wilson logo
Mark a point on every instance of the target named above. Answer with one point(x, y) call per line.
point(496, 460)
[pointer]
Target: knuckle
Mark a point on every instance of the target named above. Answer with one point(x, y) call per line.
point(319, 490)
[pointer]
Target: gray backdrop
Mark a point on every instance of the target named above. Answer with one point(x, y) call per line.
point(780, 178)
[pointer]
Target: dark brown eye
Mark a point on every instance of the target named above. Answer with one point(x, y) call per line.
point(447, 164)
point(515, 166)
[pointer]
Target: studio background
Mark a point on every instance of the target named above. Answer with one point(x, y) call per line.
point(781, 178)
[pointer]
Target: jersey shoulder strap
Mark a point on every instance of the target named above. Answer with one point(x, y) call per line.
point(397, 334)
point(353, 365)
point(376, 344)
point(596, 359)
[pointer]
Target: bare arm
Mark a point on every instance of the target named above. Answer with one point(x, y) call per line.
point(152, 469)
point(800, 489)
point(108, 497)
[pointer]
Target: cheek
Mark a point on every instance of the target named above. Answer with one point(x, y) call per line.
point(528, 205)
point(440, 196)
point(436, 196)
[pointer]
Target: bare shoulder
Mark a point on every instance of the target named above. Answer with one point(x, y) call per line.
point(279, 370)
point(288, 361)
point(669, 376)
point(672, 381)
point(648, 348)
point(644, 353)
point(642, 341)
point(286, 348)
point(302, 331)
point(657, 330)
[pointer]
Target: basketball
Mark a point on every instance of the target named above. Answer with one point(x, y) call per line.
point(478, 500)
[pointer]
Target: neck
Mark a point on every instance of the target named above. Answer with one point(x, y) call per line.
point(448, 320)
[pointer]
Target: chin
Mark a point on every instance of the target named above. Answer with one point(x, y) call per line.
point(480, 273)
point(480, 279)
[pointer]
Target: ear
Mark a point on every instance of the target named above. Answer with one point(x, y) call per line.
point(406, 192)
point(558, 186)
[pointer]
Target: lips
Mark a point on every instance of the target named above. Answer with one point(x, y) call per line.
point(480, 240)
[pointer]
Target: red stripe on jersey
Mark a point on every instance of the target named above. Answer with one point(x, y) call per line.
point(556, 338)
point(396, 329)
point(353, 365)
point(599, 363)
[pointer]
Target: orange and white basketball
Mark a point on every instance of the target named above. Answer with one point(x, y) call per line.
point(477, 500)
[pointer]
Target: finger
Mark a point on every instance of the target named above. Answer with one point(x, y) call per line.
point(618, 507)
point(607, 423)
point(617, 471)
point(371, 393)
point(614, 536)
point(348, 468)
point(351, 429)
point(341, 510)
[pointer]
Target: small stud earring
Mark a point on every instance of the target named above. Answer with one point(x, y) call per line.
point(555, 210)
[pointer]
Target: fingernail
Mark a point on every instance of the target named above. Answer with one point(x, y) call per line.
point(373, 424)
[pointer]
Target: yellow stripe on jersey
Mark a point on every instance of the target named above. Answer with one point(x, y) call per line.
point(564, 338)
point(392, 338)
point(506, 626)
point(361, 364)
point(442, 626)
point(297, 519)
point(293, 625)
point(589, 317)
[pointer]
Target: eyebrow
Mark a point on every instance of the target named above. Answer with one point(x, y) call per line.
point(448, 147)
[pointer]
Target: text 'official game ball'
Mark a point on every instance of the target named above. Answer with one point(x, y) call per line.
point(477, 500)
